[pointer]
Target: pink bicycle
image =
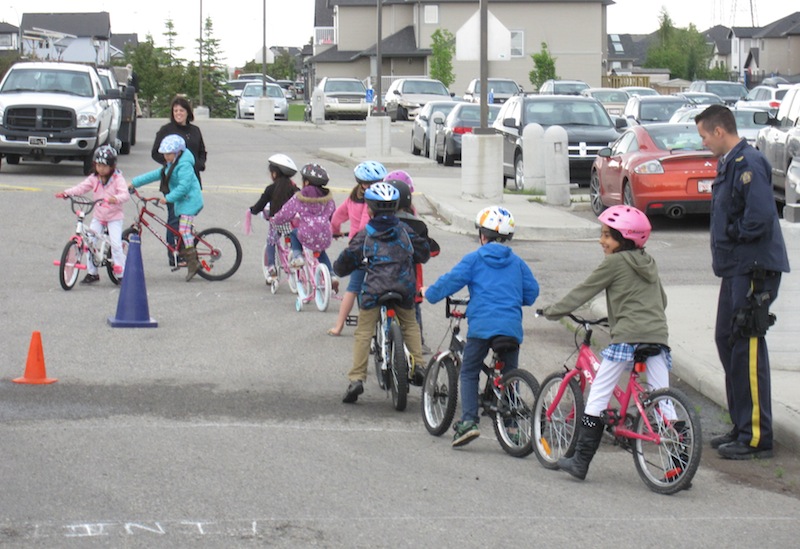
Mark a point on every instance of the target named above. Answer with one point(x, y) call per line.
point(283, 251)
point(660, 428)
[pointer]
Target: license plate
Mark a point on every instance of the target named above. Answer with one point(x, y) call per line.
point(704, 185)
point(37, 141)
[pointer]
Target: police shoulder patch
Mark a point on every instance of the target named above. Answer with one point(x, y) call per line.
point(747, 177)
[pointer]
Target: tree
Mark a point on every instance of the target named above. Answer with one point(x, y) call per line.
point(172, 50)
point(215, 95)
point(284, 67)
point(685, 52)
point(544, 67)
point(443, 47)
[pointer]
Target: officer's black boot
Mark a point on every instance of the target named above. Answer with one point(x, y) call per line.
point(589, 435)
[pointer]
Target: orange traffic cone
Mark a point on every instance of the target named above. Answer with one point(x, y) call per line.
point(34, 368)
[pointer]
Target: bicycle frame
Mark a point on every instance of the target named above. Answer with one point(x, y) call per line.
point(143, 220)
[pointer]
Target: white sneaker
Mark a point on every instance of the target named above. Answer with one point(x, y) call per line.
point(272, 274)
point(297, 262)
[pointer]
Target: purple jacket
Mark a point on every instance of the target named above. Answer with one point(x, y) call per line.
point(314, 219)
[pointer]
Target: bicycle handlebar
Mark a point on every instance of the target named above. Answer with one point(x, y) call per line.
point(82, 204)
point(145, 199)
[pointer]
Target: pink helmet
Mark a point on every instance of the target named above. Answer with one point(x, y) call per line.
point(630, 222)
point(400, 175)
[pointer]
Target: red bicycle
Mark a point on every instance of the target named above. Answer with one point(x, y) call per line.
point(218, 250)
point(661, 429)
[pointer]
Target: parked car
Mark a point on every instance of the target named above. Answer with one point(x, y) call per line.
point(780, 140)
point(246, 106)
point(299, 89)
point(235, 87)
point(422, 130)
point(406, 96)
point(288, 88)
point(730, 92)
point(344, 98)
point(462, 120)
point(500, 90)
point(767, 98)
point(658, 168)
point(700, 98)
point(256, 76)
point(612, 99)
point(649, 109)
point(109, 82)
point(588, 126)
point(745, 123)
point(562, 87)
point(639, 90)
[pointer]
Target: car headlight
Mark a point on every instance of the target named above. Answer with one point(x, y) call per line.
point(331, 101)
point(411, 105)
point(87, 119)
point(651, 167)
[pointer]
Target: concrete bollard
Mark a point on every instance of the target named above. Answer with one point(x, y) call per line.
point(317, 106)
point(533, 149)
point(482, 167)
point(201, 112)
point(556, 166)
point(264, 110)
point(379, 140)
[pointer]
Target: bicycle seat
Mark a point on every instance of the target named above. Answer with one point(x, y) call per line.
point(644, 350)
point(503, 344)
point(389, 297)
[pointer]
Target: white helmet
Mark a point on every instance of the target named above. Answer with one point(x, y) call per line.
point(495, 222)
point(283, 164)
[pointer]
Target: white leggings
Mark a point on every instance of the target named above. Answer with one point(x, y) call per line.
point(115, 236)
point(608, 375)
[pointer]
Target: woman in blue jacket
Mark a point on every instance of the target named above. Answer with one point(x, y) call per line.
point(179, 180)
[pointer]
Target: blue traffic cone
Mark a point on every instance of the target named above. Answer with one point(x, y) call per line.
point(132, 308)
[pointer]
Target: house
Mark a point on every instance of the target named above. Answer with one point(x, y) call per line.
point(346, 35)
point(9, 38)
point(73, 37)
point(119, 42)
point(776, 49)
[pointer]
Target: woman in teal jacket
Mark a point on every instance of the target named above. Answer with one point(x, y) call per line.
point(182, 189)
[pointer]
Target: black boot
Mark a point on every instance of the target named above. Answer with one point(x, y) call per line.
point(589, 435)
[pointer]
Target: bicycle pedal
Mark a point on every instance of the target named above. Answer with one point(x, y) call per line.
point(351, 320)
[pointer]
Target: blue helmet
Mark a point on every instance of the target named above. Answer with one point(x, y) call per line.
point(172, 143)
point(382, 198)
point(370, 172)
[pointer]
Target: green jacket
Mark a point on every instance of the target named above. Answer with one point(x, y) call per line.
point(634, 296)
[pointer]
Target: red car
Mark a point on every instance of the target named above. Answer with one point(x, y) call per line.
point(659, 168)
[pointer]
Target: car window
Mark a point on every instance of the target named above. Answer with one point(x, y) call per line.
point(569, 88)
point(744, 120)
point(779, 94)
point(253, 90)
point(344, 86)
point(726, 89)
point(424, 87)
point(610, 96)
point(659, 111)
point(276, 92)
point(626, 143)
point(676, 138)
point(499, 86)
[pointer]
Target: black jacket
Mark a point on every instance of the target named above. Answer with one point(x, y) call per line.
point(194, 142)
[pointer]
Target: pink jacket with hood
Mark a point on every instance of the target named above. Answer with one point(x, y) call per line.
point(116, 187)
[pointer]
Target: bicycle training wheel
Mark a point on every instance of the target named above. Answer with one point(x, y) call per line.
point(668, 467)
point(440, 394)
point(219, 253)
point(322, 287)
point(110, 262)
point(555, 438)
point(67, 269)
point(398, 368)
point(512, 422)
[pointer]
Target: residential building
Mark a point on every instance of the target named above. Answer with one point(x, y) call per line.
point(73, 37)
point(9, 37)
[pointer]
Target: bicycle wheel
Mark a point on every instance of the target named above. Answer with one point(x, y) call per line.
point(440, 394)
point(67, 269)
point(668, 467)
point(398, 379)
point(110, 262)
point(376, 346)
point(512, 422)
point(302, 283)
point(322, 287)
point(555, 438)
point(219, 253)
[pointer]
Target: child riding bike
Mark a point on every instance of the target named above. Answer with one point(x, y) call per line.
point(636, 301)
point(276, 194)
point(500, 284)
point(108, 184)
point(310, 210)
point(388, 249)
point(184, 193)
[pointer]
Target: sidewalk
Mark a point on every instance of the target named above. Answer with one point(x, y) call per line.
point(691, 326)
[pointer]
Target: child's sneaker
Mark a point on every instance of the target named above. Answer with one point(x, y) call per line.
point(466, 431)
point(90, 279)
point(353, 390)
point(272, 274)
point(297, 262)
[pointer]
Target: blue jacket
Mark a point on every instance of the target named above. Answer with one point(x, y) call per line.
point(745, 231)
point(499, 284)
point(184, 187)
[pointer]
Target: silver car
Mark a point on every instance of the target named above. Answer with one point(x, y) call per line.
point(246, 106)
point(406, 96)
point(422, 131)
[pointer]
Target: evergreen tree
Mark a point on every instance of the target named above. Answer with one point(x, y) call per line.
point(443, 47)
point(544, 67)
point(215, 95)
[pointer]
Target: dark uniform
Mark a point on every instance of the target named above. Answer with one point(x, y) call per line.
point(749, 254)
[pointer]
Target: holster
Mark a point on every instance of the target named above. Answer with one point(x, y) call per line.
point(754, 319)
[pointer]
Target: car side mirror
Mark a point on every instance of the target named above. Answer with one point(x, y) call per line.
point(452, 94)
point(422, 117)
point(397, 92)
point(111, 94)
point(438, 118)
point(620, 123)
point(509, 123)
point(605, 152)
point(763, 118)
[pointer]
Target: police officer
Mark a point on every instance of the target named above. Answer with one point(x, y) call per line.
point(749, 254)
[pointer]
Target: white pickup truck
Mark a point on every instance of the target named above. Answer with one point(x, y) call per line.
point(54, 111)
point(780, 140)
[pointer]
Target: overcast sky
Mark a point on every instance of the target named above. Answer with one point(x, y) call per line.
point(238, 23)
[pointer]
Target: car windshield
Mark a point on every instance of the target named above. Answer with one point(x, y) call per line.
point(345, 86)
point(676, 138)
point(470, 115)
point(569, 88)
point(563, 113)
point(424, 87)
point(46, 80)
point(238, 84)
point(499, 86)
point(727, 89)
point(701, 99)
point(659, 111)
point(610, 96)
point(254, 90)
point(642, 91)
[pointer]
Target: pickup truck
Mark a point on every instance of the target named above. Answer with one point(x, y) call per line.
point(124, 120)
point(780, 140)
point(54, 111)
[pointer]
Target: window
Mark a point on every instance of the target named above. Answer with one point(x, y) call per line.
point(431, 15)
point(517, 43)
